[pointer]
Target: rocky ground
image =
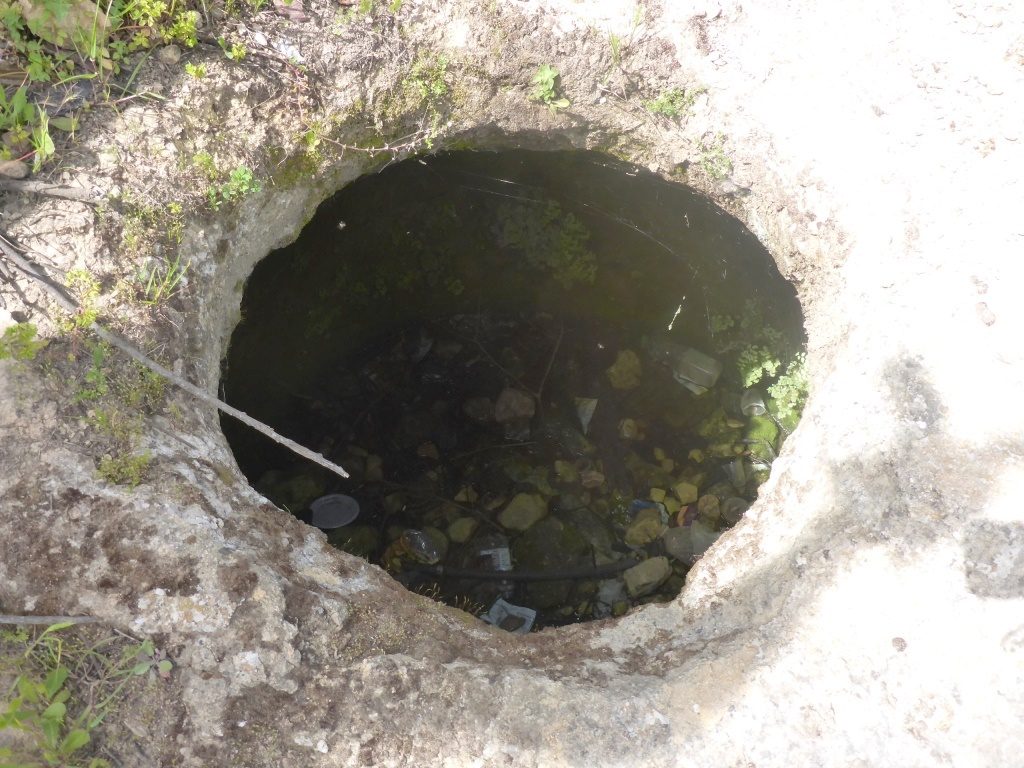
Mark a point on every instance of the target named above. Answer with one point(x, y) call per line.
point(868, 608)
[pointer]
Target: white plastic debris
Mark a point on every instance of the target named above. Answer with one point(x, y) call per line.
point(512, 618)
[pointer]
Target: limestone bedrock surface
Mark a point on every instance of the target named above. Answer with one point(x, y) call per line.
point(869, 608)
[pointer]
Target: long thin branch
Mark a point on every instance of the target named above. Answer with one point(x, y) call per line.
point(70, 305)
point(50, 190)
point(47, 620)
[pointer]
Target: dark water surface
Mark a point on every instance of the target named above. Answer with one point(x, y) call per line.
point(452, 277)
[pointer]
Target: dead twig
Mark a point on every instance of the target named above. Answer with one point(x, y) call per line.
point(58, 294)
point(31, 186)
point(46, 620)
point(551, 362)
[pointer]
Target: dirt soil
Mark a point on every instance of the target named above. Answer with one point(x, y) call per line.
point(869, 610)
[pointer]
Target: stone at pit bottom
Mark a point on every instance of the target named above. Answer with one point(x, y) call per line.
point(646, 577)
point(513, 404)
point(678, 543)
point(645, 528)
point(625, 371)
point(685, 492)
point(524, 510)
point(462, 529)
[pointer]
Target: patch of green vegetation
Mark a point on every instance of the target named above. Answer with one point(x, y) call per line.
point(714, 160)
point(722, 323)
point(673, 103)
point(204, 162)
point(198, 71)
point(240, 183)
point(95, 385)
point(19, 342)
point(361, 10)
point(427, 84)
point(755, 363)
point(143, 224)
point(86, 289)
point(428, 77)
point(162, 279)
point(234, 51)
point(549, 239)
point(140, 389)
point(790, 390)
point(545, 89)
point(57, 41)
point(125, 469)
point(63, 690)
point(615, 44)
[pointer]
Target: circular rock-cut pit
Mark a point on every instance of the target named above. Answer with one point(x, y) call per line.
point(554, 379)
point(865, 611)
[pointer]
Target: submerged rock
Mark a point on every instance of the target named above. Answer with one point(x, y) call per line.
point(646, 577)
point(678, 543)
point(523, 511)
point(513, 404)
point(462, 530)
point(625, 371)
point(646, 528)
point(685, 492)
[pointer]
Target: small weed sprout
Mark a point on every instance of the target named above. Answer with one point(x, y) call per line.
point(714, 161)
point(63, 690)
point(234, 51)
point(428, 84)
point(240, 183)
point(198, 71)
point(19, 342)
point(125, 469)
point(673, 103)
point(755, 363)
point(545, 89)
point(615, 43)
point(162, 280)
point(790, 391)
point(86, 289)
point(96, 385)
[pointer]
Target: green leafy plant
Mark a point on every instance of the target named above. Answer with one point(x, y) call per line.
point(198, 71)
point(428, 77)
point(234, 51)
point(19, 342)
point(714, 160)
point(672, 103)
point(615, 44)
point(86, 289)
point(162, 279)
point(755, 363)
point(95, 385)
point(791, 389)
point(240, 183)
point(545, 88)
point(62, 692)
point(125, 469)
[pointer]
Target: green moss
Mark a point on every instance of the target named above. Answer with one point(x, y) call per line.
point(125, 469)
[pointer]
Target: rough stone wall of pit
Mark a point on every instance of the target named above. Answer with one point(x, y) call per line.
point(870, 608)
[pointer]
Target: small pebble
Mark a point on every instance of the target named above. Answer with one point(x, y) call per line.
point(169, 54)
point(13, 169)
